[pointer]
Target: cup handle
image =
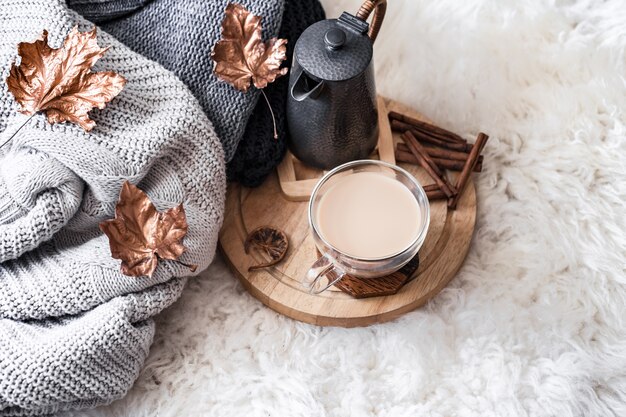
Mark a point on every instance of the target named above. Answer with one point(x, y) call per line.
point(318, 270)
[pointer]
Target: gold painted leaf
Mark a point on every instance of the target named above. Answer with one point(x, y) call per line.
point(241, 57)
point(60, 81)
point(140, 235)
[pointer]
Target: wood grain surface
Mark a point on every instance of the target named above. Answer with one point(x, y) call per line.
point(279, 287)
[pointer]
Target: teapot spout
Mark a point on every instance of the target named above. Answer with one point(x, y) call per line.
point(305, 87)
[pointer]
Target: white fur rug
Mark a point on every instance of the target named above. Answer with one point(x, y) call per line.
point(534, 324)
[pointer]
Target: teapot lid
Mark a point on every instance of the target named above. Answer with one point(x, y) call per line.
point(335, 49)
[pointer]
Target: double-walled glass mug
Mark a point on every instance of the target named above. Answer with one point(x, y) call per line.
point(335, 264)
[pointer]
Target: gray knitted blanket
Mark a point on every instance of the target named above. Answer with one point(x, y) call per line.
point(74, 331)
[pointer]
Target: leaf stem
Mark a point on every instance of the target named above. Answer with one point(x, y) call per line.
point(272, 112)
point(192, 267)
point(18, 129)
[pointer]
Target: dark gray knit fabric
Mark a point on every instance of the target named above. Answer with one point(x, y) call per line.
point(99, 11)
point(180, 34)
point(258, 152)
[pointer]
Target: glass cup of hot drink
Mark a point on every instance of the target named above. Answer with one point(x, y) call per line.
point(368, 219)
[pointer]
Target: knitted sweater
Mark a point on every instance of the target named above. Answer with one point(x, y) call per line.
point(74, 331)
point(180, 34)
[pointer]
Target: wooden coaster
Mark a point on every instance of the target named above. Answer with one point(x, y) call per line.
point(280, 287)
point(297, 180)
point(376, 287)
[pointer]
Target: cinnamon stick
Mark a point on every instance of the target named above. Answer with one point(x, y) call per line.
point(436, 195)
point(461, 180)
point(420, 125)
point(399, 126)
point(451, 164)
point(428, 164)
point(410, 139)
point(441, 153)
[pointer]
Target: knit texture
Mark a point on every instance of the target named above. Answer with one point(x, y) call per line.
point(39, 196)
point(100, 11)
point(180, 34)
point(258, 152)
point(74, 331)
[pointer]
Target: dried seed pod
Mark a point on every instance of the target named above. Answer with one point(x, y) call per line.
point(269, 240)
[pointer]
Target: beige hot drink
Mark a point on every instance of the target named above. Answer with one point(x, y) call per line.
point(368, 215)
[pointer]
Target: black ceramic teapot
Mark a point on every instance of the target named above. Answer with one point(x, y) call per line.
point(331, 108)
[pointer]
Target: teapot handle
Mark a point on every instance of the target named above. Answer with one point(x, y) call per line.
point(378, 7)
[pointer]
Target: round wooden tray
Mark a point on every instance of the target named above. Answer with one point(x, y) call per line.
point(279, 287)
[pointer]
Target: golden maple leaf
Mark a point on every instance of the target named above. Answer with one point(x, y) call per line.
point(140, 235)
point(241, 56)
point(60, 81)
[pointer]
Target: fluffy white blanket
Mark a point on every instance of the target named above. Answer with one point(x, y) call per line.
point(534, 323)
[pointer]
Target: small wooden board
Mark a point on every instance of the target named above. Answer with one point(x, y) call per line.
point(279, 287)
point(297, 180)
